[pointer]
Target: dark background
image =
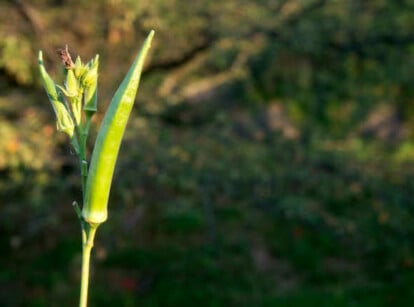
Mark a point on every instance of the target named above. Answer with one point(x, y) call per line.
point(268, 162)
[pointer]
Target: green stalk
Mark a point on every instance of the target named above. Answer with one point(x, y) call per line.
point(88, 236)
point(83, 135)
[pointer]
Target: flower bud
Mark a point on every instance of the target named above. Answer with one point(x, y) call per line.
point(91, 73)
point(79, 68)
point(64, 120)
point(71, 83)
point(90, 82)
point(48, 83)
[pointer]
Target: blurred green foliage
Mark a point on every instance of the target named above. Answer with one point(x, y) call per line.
point(269, 162)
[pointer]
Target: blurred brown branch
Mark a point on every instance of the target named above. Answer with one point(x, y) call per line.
point(31, 15)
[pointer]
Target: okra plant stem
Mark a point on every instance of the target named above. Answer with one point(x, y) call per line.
point(78, 94)
point(82, 135)
point(88, 235)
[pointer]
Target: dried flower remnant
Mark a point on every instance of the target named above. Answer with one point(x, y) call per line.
point(65, 57)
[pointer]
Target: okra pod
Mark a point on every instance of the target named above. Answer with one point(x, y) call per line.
point(109, 139)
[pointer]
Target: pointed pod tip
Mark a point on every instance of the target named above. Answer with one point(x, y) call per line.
point(150, 35)
point(147, 43)
point(40, 57)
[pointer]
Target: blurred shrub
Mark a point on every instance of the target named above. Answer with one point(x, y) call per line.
point(15, 58)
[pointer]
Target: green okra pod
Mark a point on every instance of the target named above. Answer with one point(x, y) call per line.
point(109, 139)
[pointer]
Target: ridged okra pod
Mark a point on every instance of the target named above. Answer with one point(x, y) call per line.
point(109, 139)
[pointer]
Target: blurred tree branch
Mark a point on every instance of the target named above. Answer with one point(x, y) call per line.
point(31, 15)
point(185, 56)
